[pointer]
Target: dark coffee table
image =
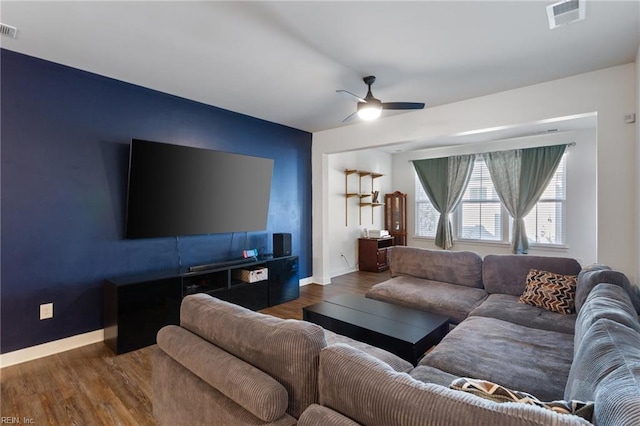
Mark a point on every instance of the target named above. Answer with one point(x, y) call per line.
point(403, 331)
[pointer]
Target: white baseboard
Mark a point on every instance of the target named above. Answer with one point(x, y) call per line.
point(305, 281)
point(50, 348)
point(73, 342)
point(322, 280)
point(342, 271)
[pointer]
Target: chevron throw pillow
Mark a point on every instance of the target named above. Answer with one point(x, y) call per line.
point(554, 292)
point(494, 392)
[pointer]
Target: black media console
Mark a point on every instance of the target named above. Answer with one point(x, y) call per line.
point(137, 306)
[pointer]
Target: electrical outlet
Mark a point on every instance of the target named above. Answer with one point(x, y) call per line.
point(46, 311)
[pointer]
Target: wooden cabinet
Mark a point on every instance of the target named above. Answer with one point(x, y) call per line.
point(372, 254)
point(395, 217)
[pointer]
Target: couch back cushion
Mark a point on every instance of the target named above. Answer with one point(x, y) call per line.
point(253, 390)
point(507, 274)
point(454, 267)
point(287, 350)
point(317, 415)
point(371, 393)
point(605, 301)
point(592, 275)
point(606, 369)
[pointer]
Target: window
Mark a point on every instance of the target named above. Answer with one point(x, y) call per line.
point(480, 215)
point(480, 212)
point(426, 215)
point(545, 223)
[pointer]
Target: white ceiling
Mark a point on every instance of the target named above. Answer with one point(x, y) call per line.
point(283, 61)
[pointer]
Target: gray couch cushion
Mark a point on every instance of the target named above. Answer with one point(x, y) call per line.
point(456, 267)
point(451, 300)
point(182, 398)
point(517, 357)
point(394, 361)
point(507, 274)
point(287, 350)
point(428, 374)
point(373, 394)
point(605, 301)
point(507, 308)
point(607, 369)
point(595, 274)
point(253, 390)
point(317, 415)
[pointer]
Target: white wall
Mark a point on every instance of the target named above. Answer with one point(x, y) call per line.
point(581, 201)
point(637, 185)
point(344, 234)
point(610, 93)
point(637, 157)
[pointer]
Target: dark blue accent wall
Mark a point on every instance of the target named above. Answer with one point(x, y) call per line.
point(65, 137)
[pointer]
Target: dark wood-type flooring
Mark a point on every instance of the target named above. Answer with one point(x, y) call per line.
point(92, 386)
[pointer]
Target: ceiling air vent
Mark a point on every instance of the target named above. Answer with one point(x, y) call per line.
point(565, 12)
point(8, 30)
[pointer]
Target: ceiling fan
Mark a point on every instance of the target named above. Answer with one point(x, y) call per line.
point(370, 108)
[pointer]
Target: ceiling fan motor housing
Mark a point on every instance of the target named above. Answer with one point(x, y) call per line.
point(369, 98)
point(371, 103)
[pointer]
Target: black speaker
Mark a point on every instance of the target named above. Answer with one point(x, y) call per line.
point(281, 245)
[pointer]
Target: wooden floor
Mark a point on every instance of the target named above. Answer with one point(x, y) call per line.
point(91, 386)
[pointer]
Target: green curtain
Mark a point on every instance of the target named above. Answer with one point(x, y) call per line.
point(520, 177)
point(445, 180)
point(504, 168)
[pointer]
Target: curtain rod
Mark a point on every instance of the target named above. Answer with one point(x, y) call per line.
point(497, 150)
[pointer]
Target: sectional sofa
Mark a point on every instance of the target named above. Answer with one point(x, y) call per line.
point(227, 365)
point(497, 338)
point(504, 362)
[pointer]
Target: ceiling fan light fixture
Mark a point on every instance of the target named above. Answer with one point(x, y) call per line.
point(370, 109)
point(369, 112)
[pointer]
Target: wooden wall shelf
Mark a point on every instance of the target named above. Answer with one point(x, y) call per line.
point(363, 196)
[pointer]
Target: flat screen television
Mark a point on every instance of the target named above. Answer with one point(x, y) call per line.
point(178, 190)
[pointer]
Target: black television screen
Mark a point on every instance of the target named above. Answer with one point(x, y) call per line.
point(177, 190)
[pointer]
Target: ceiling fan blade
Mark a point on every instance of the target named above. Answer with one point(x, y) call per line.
point(350, 117)
point(351, 95)
point(402, 105)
